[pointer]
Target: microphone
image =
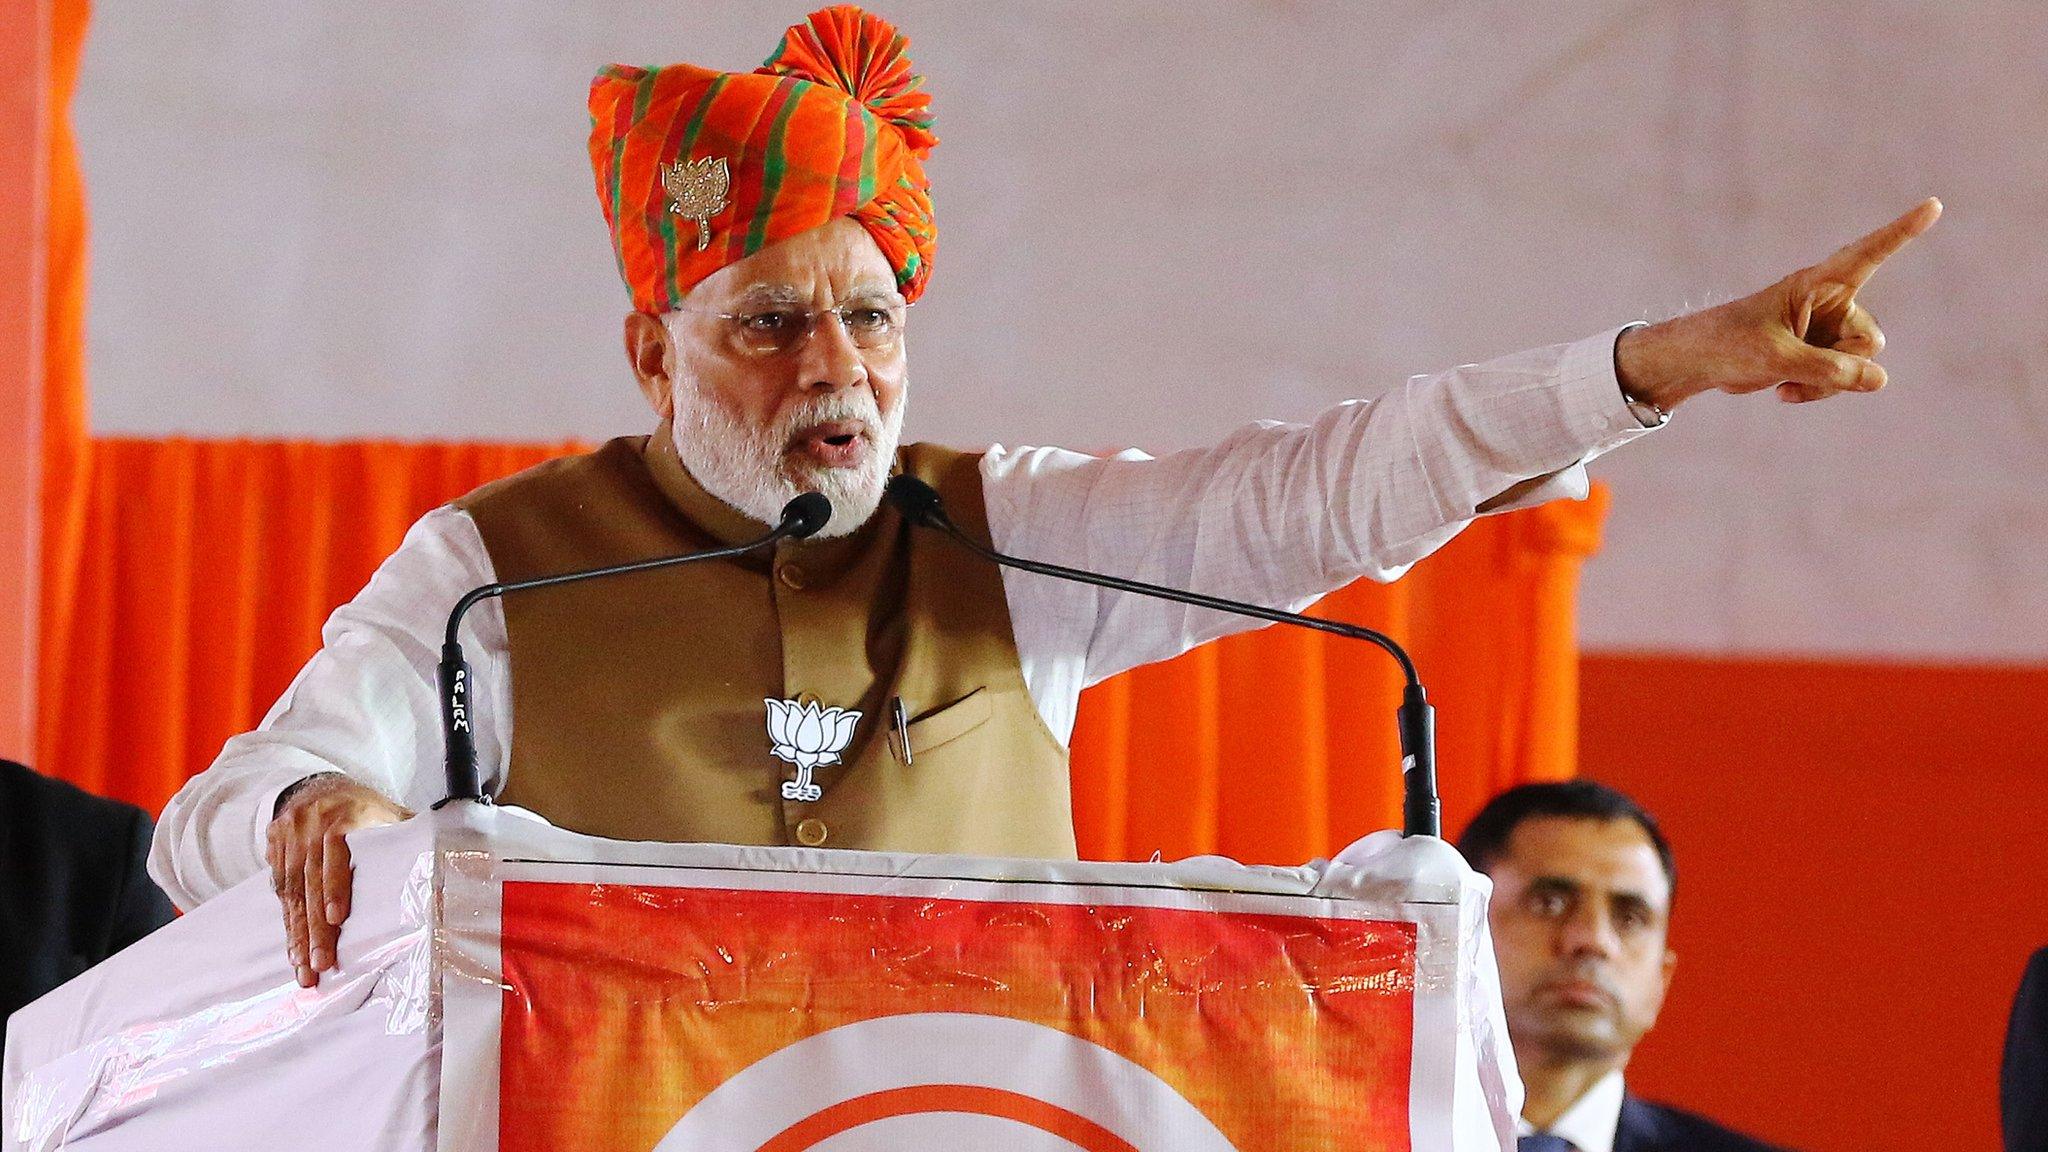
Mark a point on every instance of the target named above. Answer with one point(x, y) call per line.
point(801, 517)
point(1415, 720)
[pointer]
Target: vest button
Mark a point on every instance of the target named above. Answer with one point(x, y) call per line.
point(791, 575)
point(811, 832)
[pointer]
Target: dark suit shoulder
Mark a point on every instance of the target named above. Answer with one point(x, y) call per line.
point(68, 854)
point(30, 794)
point(73, 884)
point(2034, 981)
point(1648, 1127)
point(2023, 1080)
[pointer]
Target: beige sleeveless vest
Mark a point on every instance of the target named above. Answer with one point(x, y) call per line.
point(638, 702)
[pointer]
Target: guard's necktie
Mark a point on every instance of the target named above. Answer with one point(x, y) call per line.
point(1544, 1142)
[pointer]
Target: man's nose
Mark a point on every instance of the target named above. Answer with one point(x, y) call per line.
point(1588, 931)
point(830, 361)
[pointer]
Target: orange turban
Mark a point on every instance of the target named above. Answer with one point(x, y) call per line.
point(698, 169)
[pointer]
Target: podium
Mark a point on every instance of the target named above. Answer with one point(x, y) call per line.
point(507, 986)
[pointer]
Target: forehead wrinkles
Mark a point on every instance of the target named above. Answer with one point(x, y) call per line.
point(774, 293)
point(778, 293)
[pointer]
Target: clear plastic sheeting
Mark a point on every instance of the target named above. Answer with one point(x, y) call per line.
point(199, 1037)
point(505, 985)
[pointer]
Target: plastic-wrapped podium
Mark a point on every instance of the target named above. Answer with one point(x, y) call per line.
point(505, 985)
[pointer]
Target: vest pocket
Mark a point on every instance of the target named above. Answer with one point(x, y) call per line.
point(949, 722)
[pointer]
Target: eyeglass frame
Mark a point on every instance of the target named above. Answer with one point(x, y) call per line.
point(810, 323)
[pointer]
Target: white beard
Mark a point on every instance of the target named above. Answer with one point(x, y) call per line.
point(752, 469)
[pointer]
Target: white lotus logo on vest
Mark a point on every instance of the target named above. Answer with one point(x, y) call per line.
point(810, 738)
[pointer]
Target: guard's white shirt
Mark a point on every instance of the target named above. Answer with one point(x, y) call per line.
point(1276, 514)
point(1591, 1121)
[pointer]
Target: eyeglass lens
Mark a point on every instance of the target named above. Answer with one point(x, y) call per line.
point(870, 325)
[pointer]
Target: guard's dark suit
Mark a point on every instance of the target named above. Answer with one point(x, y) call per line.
point(1647, 1127)
point(73, 889)
point(2023, 1086)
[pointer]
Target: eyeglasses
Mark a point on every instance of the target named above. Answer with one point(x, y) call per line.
point(873, 325)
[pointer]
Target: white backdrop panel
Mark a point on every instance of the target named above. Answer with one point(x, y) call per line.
point(1161, 219)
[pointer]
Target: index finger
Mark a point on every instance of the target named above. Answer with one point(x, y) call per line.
point(1854, 263)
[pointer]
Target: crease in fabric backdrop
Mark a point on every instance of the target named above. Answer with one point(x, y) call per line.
point(185, 581)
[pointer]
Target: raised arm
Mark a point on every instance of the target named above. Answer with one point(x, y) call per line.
point(1282, 514)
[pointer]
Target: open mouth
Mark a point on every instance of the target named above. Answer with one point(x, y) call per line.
point(835, 444)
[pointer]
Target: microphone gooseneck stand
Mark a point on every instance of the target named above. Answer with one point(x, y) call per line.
point(801, 517)
point(1415, 719)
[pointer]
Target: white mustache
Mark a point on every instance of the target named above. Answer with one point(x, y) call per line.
point(848, 407)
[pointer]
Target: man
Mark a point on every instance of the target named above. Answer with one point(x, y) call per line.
point(72, 887)
point(1582, 883)
point(773, 229)
point(2023, 1082)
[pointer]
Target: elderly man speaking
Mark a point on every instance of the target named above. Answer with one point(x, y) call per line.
point(774, 228)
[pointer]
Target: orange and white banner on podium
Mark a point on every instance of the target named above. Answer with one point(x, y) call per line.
point(771, 1016)
point(509, 987)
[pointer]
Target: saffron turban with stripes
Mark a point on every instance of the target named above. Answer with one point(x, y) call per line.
point(698, 169)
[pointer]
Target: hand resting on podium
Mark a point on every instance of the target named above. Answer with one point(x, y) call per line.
point(309, 864)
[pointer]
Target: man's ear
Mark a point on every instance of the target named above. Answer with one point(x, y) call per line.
point(652, 355)
point(1670, 964)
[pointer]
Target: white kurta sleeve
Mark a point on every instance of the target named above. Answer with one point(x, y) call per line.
point(367, 705)
point(1281, 514)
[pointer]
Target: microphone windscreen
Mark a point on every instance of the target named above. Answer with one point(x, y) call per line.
point(807, 514)
point(918, 501)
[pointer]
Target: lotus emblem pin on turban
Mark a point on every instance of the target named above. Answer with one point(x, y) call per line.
point(697, 191)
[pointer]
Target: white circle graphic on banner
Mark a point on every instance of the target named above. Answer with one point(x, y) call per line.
point(944, 1079)
point(949, 1130)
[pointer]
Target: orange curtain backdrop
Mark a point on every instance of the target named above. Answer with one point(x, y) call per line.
point(205, 571)
point(24, 121)
point(66, 450)
point(206, 568)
